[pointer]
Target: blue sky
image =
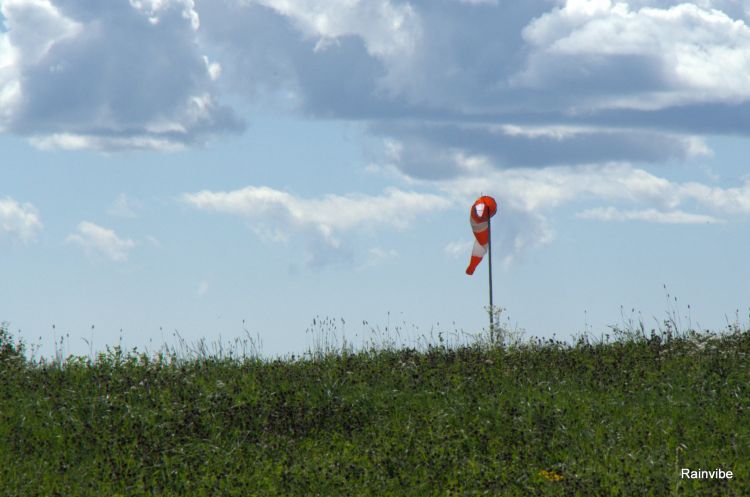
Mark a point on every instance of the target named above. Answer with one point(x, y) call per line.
point(210, 167)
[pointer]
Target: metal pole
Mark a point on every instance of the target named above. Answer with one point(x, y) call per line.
point(489, 250)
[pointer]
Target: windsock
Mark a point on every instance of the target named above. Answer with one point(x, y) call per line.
point(483, 209)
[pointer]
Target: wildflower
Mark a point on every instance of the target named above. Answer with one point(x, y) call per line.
point(550, 475)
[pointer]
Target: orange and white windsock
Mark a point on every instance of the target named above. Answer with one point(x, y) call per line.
point(483, 209)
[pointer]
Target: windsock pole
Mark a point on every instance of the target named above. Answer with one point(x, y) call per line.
point(489, 251)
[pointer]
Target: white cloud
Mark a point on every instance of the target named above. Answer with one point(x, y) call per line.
point(35, 27)
point(699, 54)
point(275, 214)
point(70, 141)
point(650, 215)
point(479, 2)
point(155, 8)
point(734, 200)
point(460, 248)
point(18, 221)
point(95, 239)
point(687, 146)
point(540, 190)
point(125, 207)
point(395, 208)
point(390, 31)
point(154, 241)
point(385, 27)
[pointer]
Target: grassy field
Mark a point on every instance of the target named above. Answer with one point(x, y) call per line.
point(619, 416)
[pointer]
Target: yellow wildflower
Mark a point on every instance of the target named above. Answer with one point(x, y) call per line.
point(550, 475)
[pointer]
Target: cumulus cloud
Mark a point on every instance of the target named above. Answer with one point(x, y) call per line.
point(325, 58)
point(18, 221)
point(688, 53)
point(107, 75)
point(96, 240)
point(274, 214)
point(389, 33)
point(527, 84)
point(387, 29)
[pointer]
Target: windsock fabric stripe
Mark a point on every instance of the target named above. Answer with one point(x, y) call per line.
point(477, 254)
point(478, 250)
point(476, 227)
point(480, 230)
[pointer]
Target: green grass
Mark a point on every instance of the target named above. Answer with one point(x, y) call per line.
point(619, 417)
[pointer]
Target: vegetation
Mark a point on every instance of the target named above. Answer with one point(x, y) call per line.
point(616, 416)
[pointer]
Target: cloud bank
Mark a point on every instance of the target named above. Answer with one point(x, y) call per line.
point(626, 76)
point(544, 102)
point(635, 81)
point(524, 84)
